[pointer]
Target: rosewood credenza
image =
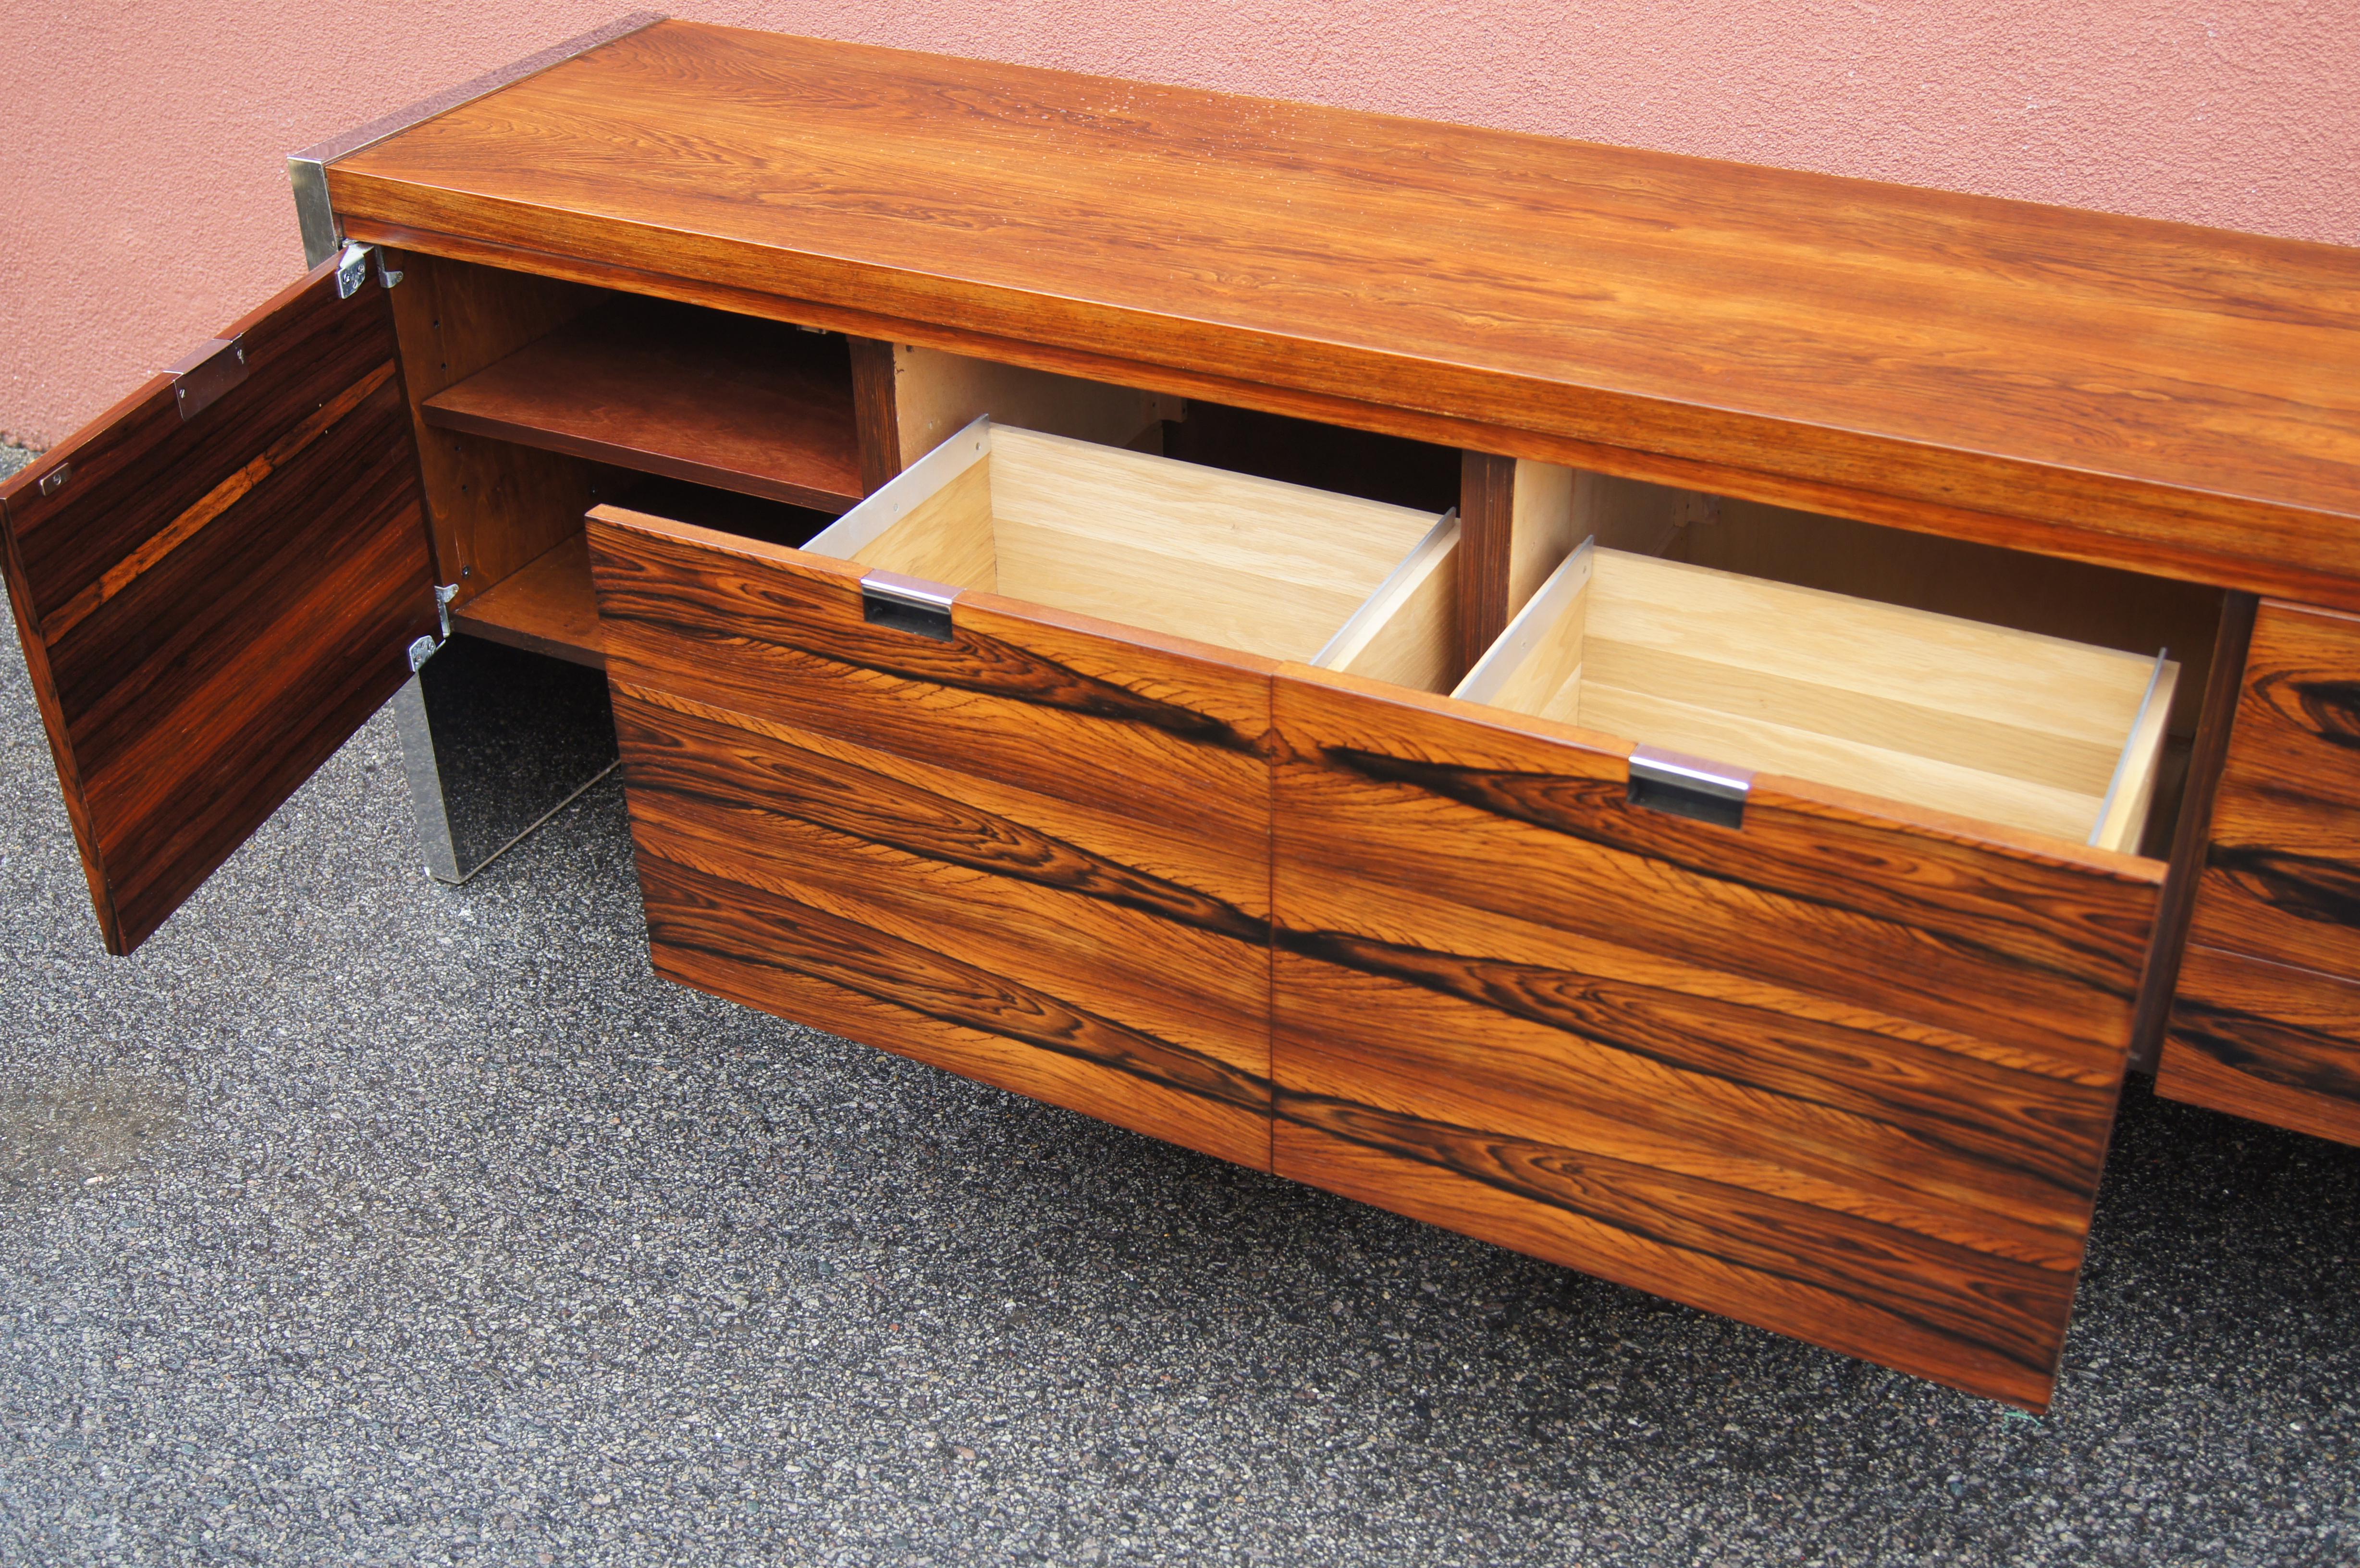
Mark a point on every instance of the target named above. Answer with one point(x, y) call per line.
point(1690, 720)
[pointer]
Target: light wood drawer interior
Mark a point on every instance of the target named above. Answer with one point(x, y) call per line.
point(1983, 721)
point(1251, 565)
point(1658, 643)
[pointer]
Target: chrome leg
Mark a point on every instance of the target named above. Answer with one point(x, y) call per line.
point(496, 741)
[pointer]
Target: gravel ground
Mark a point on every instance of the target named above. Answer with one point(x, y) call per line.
point(359, 1219)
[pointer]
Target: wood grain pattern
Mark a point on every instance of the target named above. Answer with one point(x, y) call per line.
point(1487, 520)
point(495, 506)
point(1838, 1074)
point(549, 607)
point(2265, 1041)
point(2183, 554)
point(243, 584)
point(2282, 869)
point(1036, 854)
point(2282, 880)
point(875, 412)
point(2225, 680)
point(2130, 389)
point(762, 951)
point(2261, 1024)
point(740, 404)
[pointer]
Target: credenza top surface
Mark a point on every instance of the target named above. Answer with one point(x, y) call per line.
point(1997, 356)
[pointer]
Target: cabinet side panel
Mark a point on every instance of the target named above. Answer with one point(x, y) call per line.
point(2282, 869)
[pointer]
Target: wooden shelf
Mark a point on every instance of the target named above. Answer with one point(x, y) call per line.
point(548, 607)
point(731, 401)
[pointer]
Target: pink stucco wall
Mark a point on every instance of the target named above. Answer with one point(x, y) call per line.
point(143, 198)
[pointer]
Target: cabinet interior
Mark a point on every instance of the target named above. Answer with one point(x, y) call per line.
point(742, 405)
point(535, 399)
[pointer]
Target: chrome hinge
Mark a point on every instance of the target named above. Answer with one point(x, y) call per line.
point(204, 375)
point(351, 270)
point(1690, 787)
point(424, 647)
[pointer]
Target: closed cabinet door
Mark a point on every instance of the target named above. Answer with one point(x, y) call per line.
point(2266, 1023)
point(216, 584)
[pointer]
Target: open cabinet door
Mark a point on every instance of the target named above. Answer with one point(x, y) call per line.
point(216, 584)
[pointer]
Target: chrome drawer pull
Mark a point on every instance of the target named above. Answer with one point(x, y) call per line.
point(907, 604)
point(1690, 787)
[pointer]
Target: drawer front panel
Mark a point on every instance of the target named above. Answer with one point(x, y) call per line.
point(1036, 854)
point(2264, 1041)
point(2282, 871)
point(1834, 1074)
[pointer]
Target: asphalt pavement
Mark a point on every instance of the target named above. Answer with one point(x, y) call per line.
point(360, 1219)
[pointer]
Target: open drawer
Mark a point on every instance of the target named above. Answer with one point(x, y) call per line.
point(1126, 784)
point(2006, 727)
point(980, 773)
point(1838, 1059)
